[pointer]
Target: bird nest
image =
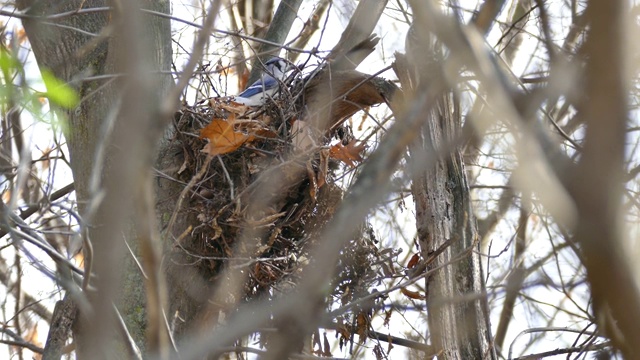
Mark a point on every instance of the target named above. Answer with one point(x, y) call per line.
point(261, 188)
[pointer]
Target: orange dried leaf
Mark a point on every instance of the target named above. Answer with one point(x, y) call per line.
point(79, 258)
point(222, 137)
point(243, 80)
point(6, 196)
point(266, 133)
point(349, 154)
point(343, 330)
point(414, 260)
point(362, 326)
point(412, 294)
point(46, 157)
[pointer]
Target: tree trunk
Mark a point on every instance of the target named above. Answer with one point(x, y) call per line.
point(456, 300)
point(73, 56)
point(447, 229)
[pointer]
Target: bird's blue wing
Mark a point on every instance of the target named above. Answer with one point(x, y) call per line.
point(255, 88)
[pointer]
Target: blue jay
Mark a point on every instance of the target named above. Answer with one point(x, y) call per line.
point(258, 92)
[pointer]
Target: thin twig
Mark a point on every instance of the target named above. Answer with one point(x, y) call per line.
point(185, 192)
point(226, 175)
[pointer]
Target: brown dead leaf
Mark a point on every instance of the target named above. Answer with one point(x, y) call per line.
point(412, 294)
point(323, 169)
point(22, 35)
point(32, 336)
point(267, 220)
point(387, 317)
point(226, 104)
point(414, 261)
point(266, 133)
point(313, 183)
point(244, 79)
point(327, 347)
point(316, 340)
point(348, 154)
point(362, 326)
point(343, 330)
point(78, 258)
point(364, 118)
point(46, 157)
point(233, 107)
point(217, 230)
point(222, 136)
point(302, 135)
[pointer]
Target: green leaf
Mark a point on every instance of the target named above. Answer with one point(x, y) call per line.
point(8, 63)
point(58, 92)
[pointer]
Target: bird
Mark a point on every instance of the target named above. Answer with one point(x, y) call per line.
point(275, 70)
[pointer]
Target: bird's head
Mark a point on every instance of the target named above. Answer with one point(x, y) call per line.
point(278, 67)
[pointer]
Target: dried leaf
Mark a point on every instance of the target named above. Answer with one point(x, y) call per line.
point(266, 133)
point(46, 157)
point(78, 258)
point(264, 273)
point(349, 154)
point(362, 326)
point(344, 331)
point(323, 168)
point(267, 220)
point(22, 35)
point(363, 119)
point(183, 167)
point(226, 104)
point(217, 230)
point(222, 137)
point(302, 135)
point(274, 235)
point(327, 347)
point(313, 184)
point(232, 107)
point(412, 294)
point(243, 80)
point(32, 336)
point(414, 261)
point(387, 317)
point(316, 339)
point(378, 352)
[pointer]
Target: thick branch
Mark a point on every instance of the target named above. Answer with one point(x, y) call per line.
point(599, 179)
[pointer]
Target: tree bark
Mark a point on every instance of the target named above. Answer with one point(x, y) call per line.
point(456, 299)
point(447, 229)
point(73, 55)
